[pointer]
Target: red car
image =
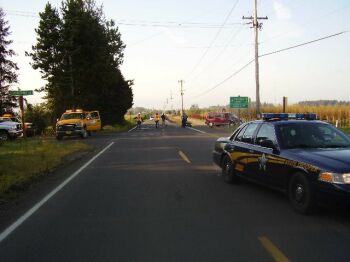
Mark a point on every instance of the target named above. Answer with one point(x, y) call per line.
point(220, 119)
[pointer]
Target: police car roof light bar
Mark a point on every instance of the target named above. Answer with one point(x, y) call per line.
point(285, 116)
point(274, 116)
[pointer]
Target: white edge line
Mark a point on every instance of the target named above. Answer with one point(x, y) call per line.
point(31, 211)
point(197, 130)
point(132, 129)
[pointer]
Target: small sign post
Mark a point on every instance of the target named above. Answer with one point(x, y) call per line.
point(20, 94)
point(239, 102)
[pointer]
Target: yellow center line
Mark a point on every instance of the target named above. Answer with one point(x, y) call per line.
point(277, 255)
point(184, 157)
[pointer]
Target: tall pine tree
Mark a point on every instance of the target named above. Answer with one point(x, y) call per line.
point(90, 51)
point(8, 68)
point(48, 56)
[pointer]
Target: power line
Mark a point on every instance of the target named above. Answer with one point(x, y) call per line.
point(233, 36)
point(214, 39)
point(267, 54)
point(175, 25)
point(306, 43)
point(309, 22)
point(225, 80)
point(144, 23)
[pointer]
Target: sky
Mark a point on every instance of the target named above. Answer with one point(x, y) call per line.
point(203, 42)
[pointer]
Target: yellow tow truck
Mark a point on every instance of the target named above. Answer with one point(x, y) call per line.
point(78, 123)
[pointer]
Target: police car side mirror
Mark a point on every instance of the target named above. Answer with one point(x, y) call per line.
point(268, 143)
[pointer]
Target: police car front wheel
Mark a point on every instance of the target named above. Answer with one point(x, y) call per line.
point(300, 193)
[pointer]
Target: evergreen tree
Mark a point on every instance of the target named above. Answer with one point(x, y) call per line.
point(89, 53)
point(47, 56)
point(8, 68)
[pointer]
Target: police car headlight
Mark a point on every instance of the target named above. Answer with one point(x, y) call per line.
point(334, 178)
point(13, 128)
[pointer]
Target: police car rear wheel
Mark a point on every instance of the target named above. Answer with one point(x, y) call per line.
point(228, 171)
point(300, 194)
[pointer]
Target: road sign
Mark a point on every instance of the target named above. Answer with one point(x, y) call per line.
point(238, 102)
point(21, 93)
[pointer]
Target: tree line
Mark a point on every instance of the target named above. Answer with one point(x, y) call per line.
point(79, 53)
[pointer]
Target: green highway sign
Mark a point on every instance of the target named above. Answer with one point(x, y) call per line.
point(21, 93)
point(238, 102)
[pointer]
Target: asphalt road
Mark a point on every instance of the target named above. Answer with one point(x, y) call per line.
point(154, 195)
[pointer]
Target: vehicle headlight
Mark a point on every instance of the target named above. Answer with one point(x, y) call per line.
point(334, 178)
point(13, 128)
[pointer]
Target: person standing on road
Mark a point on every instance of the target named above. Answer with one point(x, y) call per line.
point(184, 120)
point(156, 119)
point(139, 120)
point(163, 119)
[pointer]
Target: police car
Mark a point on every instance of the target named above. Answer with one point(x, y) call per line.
point(307, 159)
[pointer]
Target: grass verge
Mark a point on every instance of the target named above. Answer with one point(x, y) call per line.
point(24, 161)
point(117, 128)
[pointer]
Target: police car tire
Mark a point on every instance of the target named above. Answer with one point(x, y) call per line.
point(59, 137)
point(228, 171)
point(306, 204)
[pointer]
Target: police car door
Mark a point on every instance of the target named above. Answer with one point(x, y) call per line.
point(268, 161)
point(246, 149)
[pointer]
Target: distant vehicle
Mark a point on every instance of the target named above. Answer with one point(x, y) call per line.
point(9, 129)
point(297, 154)
point(29, 128)
point(78, 123)
point(220, 119)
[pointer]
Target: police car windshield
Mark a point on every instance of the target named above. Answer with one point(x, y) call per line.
point(311, 135)
point(72, 116)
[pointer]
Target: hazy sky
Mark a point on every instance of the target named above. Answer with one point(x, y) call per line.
point(160, 51)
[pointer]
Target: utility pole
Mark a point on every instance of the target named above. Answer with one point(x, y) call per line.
point(256, 26)
point(71, 80)
point(171, 100)
point(182, 97)
point(285, 103)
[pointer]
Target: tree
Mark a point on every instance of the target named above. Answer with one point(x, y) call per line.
point(88, 54)
point(8, 68)
point(40, 116)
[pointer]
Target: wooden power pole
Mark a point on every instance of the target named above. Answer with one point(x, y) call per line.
point(256, 26)
point(182, 97)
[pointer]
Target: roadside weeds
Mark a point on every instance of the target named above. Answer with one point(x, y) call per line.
point(22, 162)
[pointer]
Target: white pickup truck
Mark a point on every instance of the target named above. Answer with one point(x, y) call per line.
point(9, 129)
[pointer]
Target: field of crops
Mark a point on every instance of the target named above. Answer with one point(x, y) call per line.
point(337, 115)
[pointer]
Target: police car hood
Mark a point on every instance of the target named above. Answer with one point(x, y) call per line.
point(329, 159)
